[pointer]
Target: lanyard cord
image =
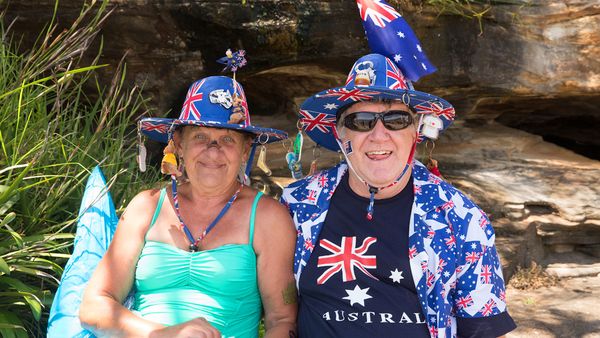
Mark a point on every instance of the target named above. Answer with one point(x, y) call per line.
point(373, 190)
point(194, 243)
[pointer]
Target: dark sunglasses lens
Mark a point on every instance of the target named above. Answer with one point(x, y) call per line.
point(397, 119)
point(360, 121)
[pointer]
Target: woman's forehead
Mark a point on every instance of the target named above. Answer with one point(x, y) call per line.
point(210, 130)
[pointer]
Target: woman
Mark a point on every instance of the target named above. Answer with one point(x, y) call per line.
point(204, 254)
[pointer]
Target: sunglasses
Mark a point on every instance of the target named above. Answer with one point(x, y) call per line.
point(365, 121)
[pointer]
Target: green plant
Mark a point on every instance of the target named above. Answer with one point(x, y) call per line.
point(56, 123)
point(473, 9)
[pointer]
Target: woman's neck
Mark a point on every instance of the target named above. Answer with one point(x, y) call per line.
point(209, 195)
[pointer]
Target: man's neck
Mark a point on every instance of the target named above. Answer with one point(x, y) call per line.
point(361, 189)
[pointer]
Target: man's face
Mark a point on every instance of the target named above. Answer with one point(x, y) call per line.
point(379, 155)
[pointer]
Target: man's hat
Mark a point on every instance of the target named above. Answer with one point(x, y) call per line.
point(215, 101)
point(372, 77)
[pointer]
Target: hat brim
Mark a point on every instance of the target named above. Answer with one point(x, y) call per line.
point(158, 129)
point(320, 127)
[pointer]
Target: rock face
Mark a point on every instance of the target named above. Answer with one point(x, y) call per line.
point(534, 67)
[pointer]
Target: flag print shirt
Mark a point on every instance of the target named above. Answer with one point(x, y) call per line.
point(358, 283)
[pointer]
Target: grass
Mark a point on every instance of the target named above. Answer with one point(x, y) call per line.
point(532, 278)
point(53, 130)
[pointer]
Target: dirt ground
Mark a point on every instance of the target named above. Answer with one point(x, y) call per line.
point(569, 309)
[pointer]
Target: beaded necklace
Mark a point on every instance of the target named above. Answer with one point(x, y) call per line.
point(194, 242)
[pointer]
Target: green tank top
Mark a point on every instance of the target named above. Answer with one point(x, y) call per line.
point(220, 284)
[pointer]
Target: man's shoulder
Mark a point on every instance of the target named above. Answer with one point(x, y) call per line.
point(445, 191)
point(304, 182)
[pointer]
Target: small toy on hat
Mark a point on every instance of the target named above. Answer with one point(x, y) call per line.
point(168, 165)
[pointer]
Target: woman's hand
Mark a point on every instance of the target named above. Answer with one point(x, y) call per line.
point(195, 328)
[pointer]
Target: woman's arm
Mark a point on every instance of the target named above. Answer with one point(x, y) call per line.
point(274, 245)
point(101, 310)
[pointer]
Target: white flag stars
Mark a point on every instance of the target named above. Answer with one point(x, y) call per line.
point(400, 34)
point(396, 276)
point(330, 106)
point(397, 57)
point(357, 295)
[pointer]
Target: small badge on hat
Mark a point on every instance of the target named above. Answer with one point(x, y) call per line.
point(431, 126)
point(222, 97)
point(365, 74)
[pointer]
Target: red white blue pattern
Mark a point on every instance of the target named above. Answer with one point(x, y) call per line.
point(455, 265)
point(201, 110)
point(345, 257)
point(377, 11)
point(387, 81)
point(189, 110)
point(390, 35)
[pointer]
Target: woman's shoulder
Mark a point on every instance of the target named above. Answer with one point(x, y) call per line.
point(144, 203)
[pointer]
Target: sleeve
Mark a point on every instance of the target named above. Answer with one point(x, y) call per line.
point(479, 299)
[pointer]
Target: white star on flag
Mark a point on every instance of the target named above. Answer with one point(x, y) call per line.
point(396, 276)
point(419, 48)
point(397, 57)
point(400, 34)
point(330, 106)
point(424, 67)
point(357, 295)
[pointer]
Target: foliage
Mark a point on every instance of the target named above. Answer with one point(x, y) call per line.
point(473, 9)
point(52, 133)
point(532, 278)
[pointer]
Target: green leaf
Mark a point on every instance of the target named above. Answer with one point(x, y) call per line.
point(4, 267)
point(8, 218)
point(11, 326)
point(35, 306)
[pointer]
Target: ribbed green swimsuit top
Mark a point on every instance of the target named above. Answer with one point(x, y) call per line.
point(220, 284)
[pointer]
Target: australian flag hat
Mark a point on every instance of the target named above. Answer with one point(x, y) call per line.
point(217, 102)
point(372, 77)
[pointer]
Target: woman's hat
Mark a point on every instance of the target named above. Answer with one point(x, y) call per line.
point(372, 77)
point(215, 101)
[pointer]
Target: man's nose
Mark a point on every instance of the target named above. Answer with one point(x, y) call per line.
point(379, 131)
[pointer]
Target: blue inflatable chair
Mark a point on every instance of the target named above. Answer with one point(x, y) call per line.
point(95, 229)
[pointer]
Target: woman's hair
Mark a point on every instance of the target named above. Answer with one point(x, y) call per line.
point(247, 135)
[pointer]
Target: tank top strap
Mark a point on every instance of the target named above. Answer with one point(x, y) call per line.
point(253, 216)
point(161, 198)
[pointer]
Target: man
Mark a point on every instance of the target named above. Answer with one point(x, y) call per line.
point(385, 248)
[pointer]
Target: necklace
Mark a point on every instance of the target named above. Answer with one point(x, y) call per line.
point(194, 242)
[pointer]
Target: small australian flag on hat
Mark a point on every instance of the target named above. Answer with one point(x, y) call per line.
point(390, 35)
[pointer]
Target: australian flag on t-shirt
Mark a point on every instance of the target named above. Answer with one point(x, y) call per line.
point(358, 282)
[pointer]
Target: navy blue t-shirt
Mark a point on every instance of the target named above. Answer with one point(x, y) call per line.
point(358, 281)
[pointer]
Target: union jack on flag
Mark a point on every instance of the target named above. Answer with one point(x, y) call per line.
point(151, 126)
point(437, 109)
point(377, 11)
point(321, 121)
point(389, 34)
point(345, 257)
point(344, 94)
point(394, 75)
point(189, 108)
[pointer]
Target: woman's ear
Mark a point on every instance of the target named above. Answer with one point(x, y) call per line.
point(177, 139)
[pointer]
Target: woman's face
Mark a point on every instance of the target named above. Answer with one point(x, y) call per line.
point(212, 156)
